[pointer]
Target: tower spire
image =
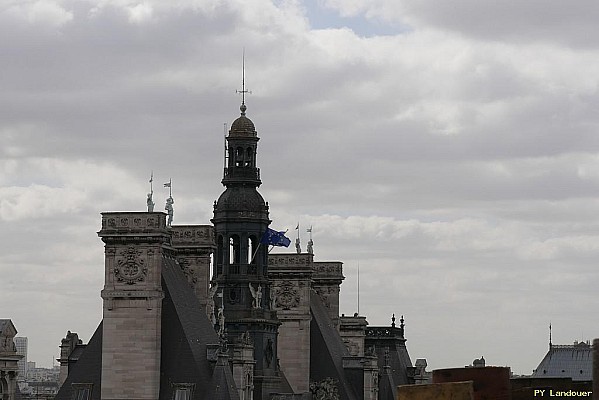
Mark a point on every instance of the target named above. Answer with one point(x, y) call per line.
point(243, 90)
point(550, 343)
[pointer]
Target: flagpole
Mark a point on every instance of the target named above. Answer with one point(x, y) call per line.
point(254, 255)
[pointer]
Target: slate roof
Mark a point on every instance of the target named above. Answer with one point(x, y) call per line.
point(186, 332)
point(88, 369)
point(567, 361)
point(327, 349)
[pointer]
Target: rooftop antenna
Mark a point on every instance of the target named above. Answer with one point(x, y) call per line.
point(550, 343)
point(225, 141)
point(358, 287)
point(243, 90)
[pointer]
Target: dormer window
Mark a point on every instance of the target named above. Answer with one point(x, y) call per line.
point(82, 391)
point(182, 391)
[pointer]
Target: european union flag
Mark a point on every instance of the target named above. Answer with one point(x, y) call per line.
point(274, 238)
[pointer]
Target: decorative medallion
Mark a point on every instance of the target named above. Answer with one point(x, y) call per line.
point(287, 296)
point(130, 267)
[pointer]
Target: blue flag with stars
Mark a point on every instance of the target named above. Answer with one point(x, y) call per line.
point(274, 238)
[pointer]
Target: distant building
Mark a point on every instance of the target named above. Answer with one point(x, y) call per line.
point(30, 365)
point(21, 343)
point(573, 361)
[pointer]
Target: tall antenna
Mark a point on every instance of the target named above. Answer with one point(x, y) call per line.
point(358, 287)
point(225, 141)
point(243, 90)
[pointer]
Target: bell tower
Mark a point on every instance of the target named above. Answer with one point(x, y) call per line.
point(241, 262)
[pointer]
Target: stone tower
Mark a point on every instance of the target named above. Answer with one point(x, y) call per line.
point(241, 263)
point(135, 245)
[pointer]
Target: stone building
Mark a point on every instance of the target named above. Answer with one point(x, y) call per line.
point(9, 369)
point(252, 326)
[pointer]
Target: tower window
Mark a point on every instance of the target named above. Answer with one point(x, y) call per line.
point(252, 247)
point(234, 250)
point(249, 158)
point(182, 391)
point(219, 250)
point(239, 157)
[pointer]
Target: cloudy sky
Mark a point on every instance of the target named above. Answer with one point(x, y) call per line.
point(448, 148)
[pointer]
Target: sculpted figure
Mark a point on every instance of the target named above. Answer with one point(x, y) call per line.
point(310, 246)
point(221, 322)
point(150, 203)
point(297, 246)
point(256, 295)
point(169, 209)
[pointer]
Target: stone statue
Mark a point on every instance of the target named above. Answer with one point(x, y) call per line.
point(273, 298)
point(257, 295)
point(150, 203)
point(310, 246)
point(221, 322)
point(259, 300)
point(210, 304)
point(169, 209)
point(297, 246)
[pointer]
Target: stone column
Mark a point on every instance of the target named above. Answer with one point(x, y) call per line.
point(353, 332)
point(291, 275)
point(136, 245)
point(327, 279)
point(194, 244)
point(242, 363)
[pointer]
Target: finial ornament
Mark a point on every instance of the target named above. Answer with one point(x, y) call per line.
point(243, 90)
point(401, 324)
point(393, 321)
point(550, 343)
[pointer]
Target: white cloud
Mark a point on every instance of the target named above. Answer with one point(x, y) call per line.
point(41, 12)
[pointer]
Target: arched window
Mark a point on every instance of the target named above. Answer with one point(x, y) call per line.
point(252, 248)
point(234, 250)
point(249, 157)
point(239, 157)
point(219, 250)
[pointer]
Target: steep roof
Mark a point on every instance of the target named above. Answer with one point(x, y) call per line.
point(87, 370)
point(327, 349)
point(186, 332)
point(567, 361)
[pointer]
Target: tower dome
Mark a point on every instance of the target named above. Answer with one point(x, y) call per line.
point(243, 126)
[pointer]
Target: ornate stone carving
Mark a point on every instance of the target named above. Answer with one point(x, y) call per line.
point(130, 266)
point(268, 352)
point(257, 295)
point(324, 390)
point(188, 271)
point(286, 295)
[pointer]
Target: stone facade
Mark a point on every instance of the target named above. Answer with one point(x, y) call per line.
point(194, 245)
point(291, 276)
point(9, 369)
point(135, 244)
point(327, 279)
